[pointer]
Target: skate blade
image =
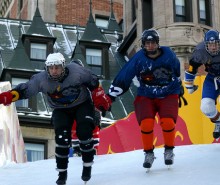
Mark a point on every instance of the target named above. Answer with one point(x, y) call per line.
point(148, 170)
point(169, 166)
point(85, 182)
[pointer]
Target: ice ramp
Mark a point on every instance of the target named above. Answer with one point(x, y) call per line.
point(12, 147)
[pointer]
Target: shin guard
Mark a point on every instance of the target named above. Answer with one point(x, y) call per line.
point(147, 126)
point(168, 127)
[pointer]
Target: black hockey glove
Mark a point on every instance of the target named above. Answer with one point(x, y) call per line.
point(181, 97)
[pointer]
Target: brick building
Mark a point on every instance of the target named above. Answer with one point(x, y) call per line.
point(74, 12)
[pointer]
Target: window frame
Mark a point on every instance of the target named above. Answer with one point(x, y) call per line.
point(39, 47)
point(37, 142)
point(188, 15)
point(95, 67)
point(147, 6)
point(208, 16)
point(103, 20)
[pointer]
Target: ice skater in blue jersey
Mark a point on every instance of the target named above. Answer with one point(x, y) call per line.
point(207, 53)
point(158, 71)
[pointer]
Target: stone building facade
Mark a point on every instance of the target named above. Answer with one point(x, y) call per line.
point(180, 23)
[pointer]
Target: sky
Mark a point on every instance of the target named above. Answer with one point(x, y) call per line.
point(193, 164)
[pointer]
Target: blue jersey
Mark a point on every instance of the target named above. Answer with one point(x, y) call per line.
point(157, 77)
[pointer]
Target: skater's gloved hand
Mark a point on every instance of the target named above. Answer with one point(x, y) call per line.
point(189, 82)
point(181, 97)
point(6, 98)
point(191, 89)
point(101, 100)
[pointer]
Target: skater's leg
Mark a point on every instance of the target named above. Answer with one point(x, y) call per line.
point(145, 113)
point(62, 126)
point(168, 115)
point(84, 130)
point(208, 107)
point(210, 93)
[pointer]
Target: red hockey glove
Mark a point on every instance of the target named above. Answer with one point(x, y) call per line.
point(101, 100)
point(6, 98)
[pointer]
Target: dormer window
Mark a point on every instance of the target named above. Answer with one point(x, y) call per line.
point(38, 51)
point(101, 21)
point(94, 60)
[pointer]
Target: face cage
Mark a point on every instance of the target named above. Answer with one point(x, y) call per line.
point(152, 52)
point(213, 53)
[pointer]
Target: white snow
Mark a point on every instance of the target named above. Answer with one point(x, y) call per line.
point(194, 164)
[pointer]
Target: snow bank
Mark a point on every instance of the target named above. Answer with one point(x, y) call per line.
point(12, 147)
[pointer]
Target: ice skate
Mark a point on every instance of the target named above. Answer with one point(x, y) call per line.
point(62, 178)
point(168, 157)
point(86, 172)
point(216, 132)
point(149, 159)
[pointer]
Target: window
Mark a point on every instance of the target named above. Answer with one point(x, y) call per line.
point(180, 10)
point(147, 14)
point(15, 82)
point(101, 21)
point(94, 60)
point(133, 11)
point(204, 12)
point(42, 107)
point(38, 51)
point(20, 4)
point(34, 151)
point(183, 10)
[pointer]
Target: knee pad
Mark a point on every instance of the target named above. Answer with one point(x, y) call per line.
point(208, 107)
point(86, 145)
point(167, 124)
point(62, 137)
point(147, 126)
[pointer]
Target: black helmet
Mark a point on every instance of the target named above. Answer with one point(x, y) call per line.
point(150, 35)
point(212, 36)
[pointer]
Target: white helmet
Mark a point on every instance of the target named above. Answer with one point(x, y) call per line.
point(55, 59)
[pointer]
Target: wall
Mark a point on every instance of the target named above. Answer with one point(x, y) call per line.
point(67, 12)
point(11, 141)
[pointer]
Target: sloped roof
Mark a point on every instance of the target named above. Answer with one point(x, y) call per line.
point(92, 32)
point(77, 53)
point(20, 60)
point(66, 43)
point(38, 25)
point(112, 23)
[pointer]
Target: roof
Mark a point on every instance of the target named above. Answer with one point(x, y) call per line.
point(113, 25)
point(66, 42)
point(38, 25)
